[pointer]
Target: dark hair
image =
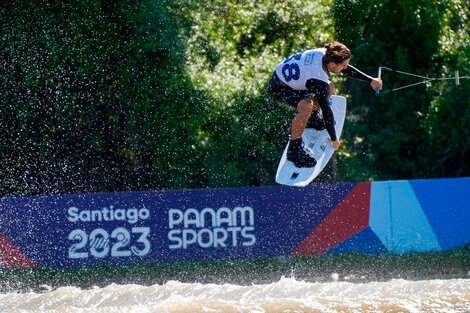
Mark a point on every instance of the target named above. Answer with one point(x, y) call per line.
point(337, 53)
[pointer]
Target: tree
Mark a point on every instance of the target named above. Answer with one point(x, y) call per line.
point(94, 97)
point(388, 133)
point(447, 121)
point(232, 50)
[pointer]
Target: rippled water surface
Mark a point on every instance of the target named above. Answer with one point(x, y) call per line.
point(285, 295)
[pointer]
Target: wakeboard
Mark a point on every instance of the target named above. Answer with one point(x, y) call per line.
point(318, 143)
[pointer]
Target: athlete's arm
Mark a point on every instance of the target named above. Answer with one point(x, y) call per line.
point(322, 92)
point(353, 72)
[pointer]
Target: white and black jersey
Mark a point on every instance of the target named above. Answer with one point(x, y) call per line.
point(306, 73)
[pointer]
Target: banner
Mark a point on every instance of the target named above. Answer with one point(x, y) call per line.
point(233, 223)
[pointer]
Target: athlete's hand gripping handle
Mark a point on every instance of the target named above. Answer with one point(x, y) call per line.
point(379, 75)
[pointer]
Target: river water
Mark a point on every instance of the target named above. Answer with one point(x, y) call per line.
point(284, 295)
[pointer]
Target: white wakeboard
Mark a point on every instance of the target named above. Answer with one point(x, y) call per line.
point(319, 144)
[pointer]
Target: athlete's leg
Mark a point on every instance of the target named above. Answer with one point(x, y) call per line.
point(296, 152)
point(295, 99)
point(316, 105)
point(304, 109)
point(316, 120)
point(332, 87)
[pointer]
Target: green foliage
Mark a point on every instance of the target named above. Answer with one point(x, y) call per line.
point(448, 117)
point(389, 133)
point(232, 50)
point(153, 94)
point(233, 46)
point(94, 97)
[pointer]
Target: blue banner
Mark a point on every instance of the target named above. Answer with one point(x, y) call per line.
point(233, 223)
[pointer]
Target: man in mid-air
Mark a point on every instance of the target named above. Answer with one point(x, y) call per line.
point(304, 74)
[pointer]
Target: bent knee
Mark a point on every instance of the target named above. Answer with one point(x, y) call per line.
point(305, 106)
point(332, 88)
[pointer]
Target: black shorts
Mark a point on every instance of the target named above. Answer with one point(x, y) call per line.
point(282, 93)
